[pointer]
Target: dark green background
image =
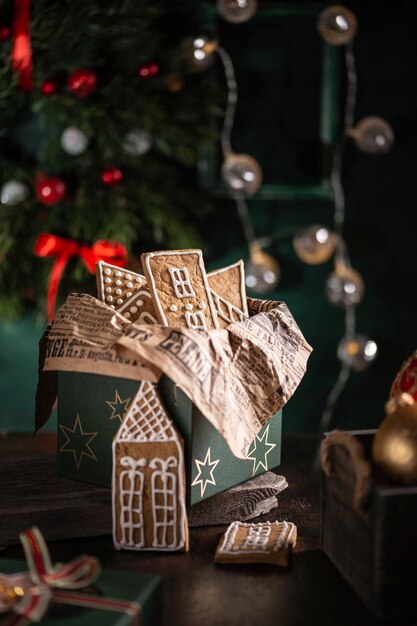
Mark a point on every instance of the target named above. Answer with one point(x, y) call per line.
point(381, 205)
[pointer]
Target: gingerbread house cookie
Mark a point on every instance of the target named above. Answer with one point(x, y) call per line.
point(227, 287)
point(268, 542)
point(148, 488)
point(178, 283)
point(126, 292)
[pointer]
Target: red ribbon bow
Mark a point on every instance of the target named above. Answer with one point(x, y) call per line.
point(22, 48)
point(34, 590)
point(48, 245)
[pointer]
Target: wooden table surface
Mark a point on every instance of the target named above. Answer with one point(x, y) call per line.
point(199, 593)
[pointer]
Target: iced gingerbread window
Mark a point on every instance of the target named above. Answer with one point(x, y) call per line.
point(257, 538)
point(181, 282)
point(164, 504)
point(196, 320)
point(131, 502)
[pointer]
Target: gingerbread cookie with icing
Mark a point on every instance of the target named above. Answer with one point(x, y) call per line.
point(227, 287)
point(126, 292)
point(181, 294)
point(268, 542)
point(148, 489)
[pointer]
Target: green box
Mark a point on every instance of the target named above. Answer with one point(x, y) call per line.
point(139, 587)
point(91, 408)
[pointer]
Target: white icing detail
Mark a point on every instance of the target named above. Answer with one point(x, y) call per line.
point(129, 285)
point(147, 421)
point(107, 271)
point(201, 464)
point(133, 309)
point(146, 318)
point(119, 282)
point(109, 298)
point(131, 502)
point(202, 305)
point(118, 291)
point(139, 279)
point(189, 307)
point(164, 502)
point(258, 538)
point(127, 314)
point(128, 276)
point(119, 273)
point(226, 310)
point(112, 306)
point(128, 294)
point(119, 301)
point(107, 280)
point(181, 282)
point(196, 320)
point(241, 266)
point(140, 302)
point(108, 289)
point(173, 308)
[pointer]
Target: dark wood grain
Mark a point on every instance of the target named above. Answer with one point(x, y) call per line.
point(198, 592)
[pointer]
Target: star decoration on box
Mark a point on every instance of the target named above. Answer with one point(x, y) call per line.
point(260, 450)
point(118, 407)
point(205, 472)
point(78, 442)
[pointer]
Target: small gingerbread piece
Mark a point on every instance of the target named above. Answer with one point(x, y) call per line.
point(126, 292)
point(179, 287)
point(268, 542)
point(227, 286)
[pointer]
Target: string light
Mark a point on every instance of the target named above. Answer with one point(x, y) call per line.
point(316, 244)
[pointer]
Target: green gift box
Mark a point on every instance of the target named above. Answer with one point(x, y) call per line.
point(91, 408)
point(139, 588)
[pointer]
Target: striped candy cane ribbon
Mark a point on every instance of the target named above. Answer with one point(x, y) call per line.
point(27, 595)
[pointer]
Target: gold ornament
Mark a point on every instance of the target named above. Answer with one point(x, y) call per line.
point(358, 351)
point(262, 271)
point(237, 11)
point(394, 449)
point(9, 595)
point(337, 25)
point(315, 244)
point(174, 83)
point(241, 172)
point(198, 51)
point(372, 135)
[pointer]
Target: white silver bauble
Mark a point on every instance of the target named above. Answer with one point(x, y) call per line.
point(13, 192)
point(137, 143)
point(237, 11)
point(345, 287)
point(358, 351)
point(241, 172)
point(373, 135)
point(74, 141)
point(337, 25)
point(315, 244)
point(262, 271)
point(198, 51)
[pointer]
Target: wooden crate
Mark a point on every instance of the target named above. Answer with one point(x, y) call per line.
point(374, 546)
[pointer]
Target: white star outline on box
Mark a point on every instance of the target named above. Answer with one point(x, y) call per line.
point(78, 454)
point(268, 447)
point(118, 407)
point(202, 464)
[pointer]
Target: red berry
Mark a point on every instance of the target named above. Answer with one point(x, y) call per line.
point(49, 87)
point(148, 70)
point(51, 190)
point(82, 82)
point(111, 176)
